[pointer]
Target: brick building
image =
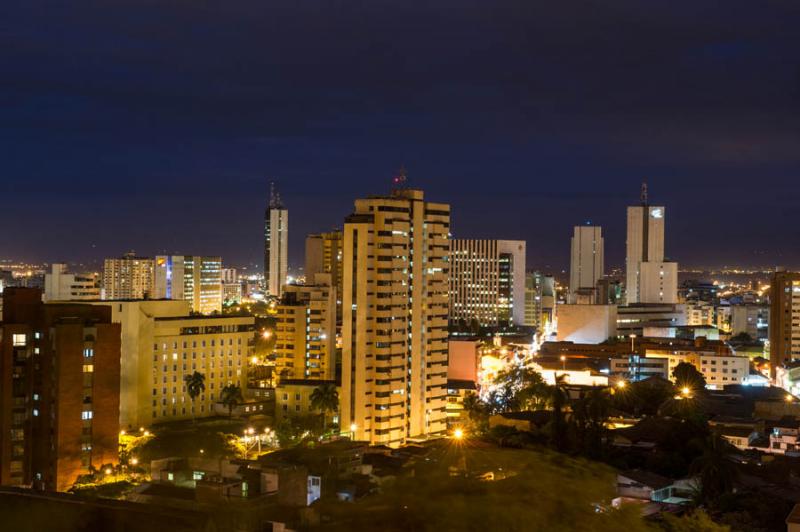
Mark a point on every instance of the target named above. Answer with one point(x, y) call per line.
point(59, 390)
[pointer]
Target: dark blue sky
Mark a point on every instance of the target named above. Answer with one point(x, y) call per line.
point(157, 125)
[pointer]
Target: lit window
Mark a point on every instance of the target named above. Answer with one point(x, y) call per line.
point(86, 414)
point(19, 340)
point(88, 368)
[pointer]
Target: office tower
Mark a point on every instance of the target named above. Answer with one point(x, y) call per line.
point(61, 285)
point(305, 334)
point(128, 277)
point(784, 319)
point(324, 255)
point(193, 278)
point(394, 324)
point(276, 244)
point(487, 282)
point(59, 390)
point(162, 342)
point(586, 263)
point(650, 279)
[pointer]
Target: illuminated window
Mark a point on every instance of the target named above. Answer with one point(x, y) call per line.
point(88, 368)
point(86, 414)
point(19, 340)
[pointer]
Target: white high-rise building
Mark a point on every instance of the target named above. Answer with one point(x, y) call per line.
point(193, 278)
point(276, 244)
point(487, 282)
point(394, 324)
point(649, 278)
point(586, 264)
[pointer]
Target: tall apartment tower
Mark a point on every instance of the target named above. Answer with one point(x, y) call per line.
point(324, 255)
point(586, 263)
point(784, 319)
point(649, 278)
point(394, 325)
point(128, 277)
point(305, 335)
point(276, 244)
point(193, 278)
point(487, 282)
point(59, 390)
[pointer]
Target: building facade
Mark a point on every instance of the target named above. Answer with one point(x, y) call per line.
point(62, 285)
point(649, 277)
point(487, 282)
point(128, 277)
point(324, 255)
point(161, 344)
point(276, 244)
point(394, 323)
point(305, 331)
point(586, 262)
point(59, 390)
point(193, 278)
point(784, 319)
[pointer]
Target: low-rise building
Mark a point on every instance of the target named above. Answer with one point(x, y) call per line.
point(293, 399)
point(60, 285)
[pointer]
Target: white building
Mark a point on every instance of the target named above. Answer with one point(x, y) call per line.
point(586, 324)
point(128, 277)
point(586, 263)
point(699, 312)
point(649, 278)
point(59, 285)
point(192, 278)
point(487, 282)
point(276, 245)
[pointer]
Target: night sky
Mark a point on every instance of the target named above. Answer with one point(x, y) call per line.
point(157, 125)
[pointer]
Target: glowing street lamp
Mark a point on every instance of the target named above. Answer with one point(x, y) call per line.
point(563, 363)
point(685, 391)
point(458, 434)
point(621, 384)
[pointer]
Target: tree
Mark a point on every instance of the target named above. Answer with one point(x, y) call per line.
point(559, 399)
point(717, 473)
point(477, 411)
point(520, 388)
point(325, 398)
point(195, 385)
point(231, 396)
point(687, 376)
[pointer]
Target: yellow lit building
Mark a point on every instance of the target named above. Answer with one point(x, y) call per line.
point(305, 331)
point(394, 323)
point(161, 344)
point(128, 277)
point(324, 255)
point(293, 399)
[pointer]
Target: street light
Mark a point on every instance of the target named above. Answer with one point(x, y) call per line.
point(563, 363)
point(621, 384)
point(685, 391)
point(458, 434)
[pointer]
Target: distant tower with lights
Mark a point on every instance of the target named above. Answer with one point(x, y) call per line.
point(586, 262)
point(649, 278)
point(276, 244)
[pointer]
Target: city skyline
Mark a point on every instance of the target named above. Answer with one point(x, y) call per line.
point(543, 118)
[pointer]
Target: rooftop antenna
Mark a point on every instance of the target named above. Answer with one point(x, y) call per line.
point(644, 194)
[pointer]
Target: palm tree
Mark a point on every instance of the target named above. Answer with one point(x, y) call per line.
point(231, 396)
point(195, 385)
point(716, 471)
point(325, 398)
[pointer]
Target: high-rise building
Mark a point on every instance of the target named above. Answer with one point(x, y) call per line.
point(229, 275)
point(193, 278)
point(540, 301)
point(305, 331)
point(61, 285)
point(487, 282)
point(161, 344)
point(586, 263)
point(394, 325)
point(324, 255)
point(276, 244)
point(128, 277)
point(784, 318)
point(649, 278)
point(59, 390)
